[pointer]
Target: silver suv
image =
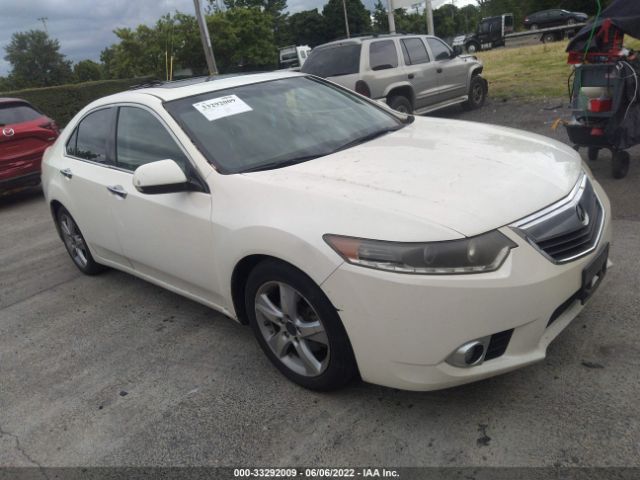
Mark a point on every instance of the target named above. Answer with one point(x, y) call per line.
point(412, 73)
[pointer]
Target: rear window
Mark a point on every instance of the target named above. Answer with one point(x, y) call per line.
point(333, 61)
point(16, 112)
point(383, 55)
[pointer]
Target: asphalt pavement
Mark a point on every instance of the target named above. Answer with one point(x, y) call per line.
point(111, 370)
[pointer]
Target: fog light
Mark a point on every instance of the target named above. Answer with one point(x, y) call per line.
point(470, 354)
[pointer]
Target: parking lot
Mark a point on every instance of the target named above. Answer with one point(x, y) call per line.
point(111, 370)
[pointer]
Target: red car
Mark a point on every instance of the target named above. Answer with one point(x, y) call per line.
point(25, 133)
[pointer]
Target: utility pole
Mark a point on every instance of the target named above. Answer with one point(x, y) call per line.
point(392, 20)
point(44, 23)
point(206, 40)
point(429, 12)
point(346, 18)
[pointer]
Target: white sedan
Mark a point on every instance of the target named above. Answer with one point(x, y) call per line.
point(417, 253)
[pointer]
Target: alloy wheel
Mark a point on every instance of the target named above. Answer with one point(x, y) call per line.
point(73, 240)
point(292, 329)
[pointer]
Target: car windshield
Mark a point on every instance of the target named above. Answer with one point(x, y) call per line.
point(17, 112)
point(277, 123)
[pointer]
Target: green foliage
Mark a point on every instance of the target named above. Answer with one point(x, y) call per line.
point(62, 102)
point(241, 38)
point(358, 17)
point(87, 71)
point(307, 28)
point(36, 60)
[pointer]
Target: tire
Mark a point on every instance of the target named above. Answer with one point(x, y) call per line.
point(75, 243)
point(534, 26)
point(472, 47)
point(593, 153)
point(571, 21)
point(549, 38)
point(305, 340)
point(620, 164)
point(400, 104)
point(477, 94)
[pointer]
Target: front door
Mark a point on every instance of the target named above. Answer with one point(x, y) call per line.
point(167, 237)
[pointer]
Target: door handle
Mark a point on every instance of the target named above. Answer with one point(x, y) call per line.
point(439, 70)
point(66, 172)
point(411, 76)
point(117, 190)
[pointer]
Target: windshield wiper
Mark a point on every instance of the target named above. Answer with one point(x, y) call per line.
point(282, 163)
point(367, 138)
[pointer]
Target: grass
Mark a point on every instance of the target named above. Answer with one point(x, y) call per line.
point(530, 72)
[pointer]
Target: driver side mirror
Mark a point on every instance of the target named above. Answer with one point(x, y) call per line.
point(457, 50)
point(164, 176)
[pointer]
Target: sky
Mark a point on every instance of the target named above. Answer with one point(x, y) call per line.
point(85, 27)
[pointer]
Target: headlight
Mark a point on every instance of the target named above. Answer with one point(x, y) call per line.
point(483, 253)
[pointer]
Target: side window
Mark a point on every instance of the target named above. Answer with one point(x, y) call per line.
point(92, 136)
point(439, 49)
point(382, 55)
point(141, 138)
point(416, 51)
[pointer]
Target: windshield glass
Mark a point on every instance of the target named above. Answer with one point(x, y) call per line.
point(277, 123)
point(333, 61)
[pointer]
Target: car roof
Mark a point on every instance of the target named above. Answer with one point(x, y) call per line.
point(167, 91)
point(13, 100)
point(361, 39)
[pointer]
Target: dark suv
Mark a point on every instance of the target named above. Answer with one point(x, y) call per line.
point(554, 18)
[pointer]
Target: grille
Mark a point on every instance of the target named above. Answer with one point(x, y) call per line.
point(570, 229)
point(498, 344)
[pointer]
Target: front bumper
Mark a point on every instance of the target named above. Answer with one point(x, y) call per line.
point(403, 327)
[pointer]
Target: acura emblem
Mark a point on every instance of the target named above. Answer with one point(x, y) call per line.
point(8, 132)
point(583, 216)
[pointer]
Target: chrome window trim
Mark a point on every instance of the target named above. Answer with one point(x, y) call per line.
point(568, 202)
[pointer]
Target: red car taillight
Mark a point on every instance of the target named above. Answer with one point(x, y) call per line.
point(51, 126)
point(599, 105)
point(363, 89)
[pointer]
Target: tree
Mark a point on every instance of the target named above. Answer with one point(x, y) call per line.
point(358, 17)
point(86, 71)
point(36, 60)
point(307, 28)
point(242, 38)
point(380, 18)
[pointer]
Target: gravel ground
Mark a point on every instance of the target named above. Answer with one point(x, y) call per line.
point(111, 370)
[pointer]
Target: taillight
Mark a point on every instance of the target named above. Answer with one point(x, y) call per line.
point(599, 105)
point(50, 126)
point(363, 89)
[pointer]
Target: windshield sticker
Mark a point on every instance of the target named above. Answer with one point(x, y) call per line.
point(221, 107)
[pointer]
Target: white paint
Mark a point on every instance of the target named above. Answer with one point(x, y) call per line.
point(436, 179)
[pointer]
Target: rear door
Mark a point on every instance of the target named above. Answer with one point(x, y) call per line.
point(421, 72)
point(88, 169)
point(382, 67)
point(452, 70)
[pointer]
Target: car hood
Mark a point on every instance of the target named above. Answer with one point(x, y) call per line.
point(467, 177)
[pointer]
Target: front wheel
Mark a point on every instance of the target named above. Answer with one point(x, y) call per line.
point(477, 94)
point(76, 244)
point(534, 27)
point(298, 328)
point(472, 47)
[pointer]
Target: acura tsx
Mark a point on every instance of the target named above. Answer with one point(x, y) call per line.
point(416, 253)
